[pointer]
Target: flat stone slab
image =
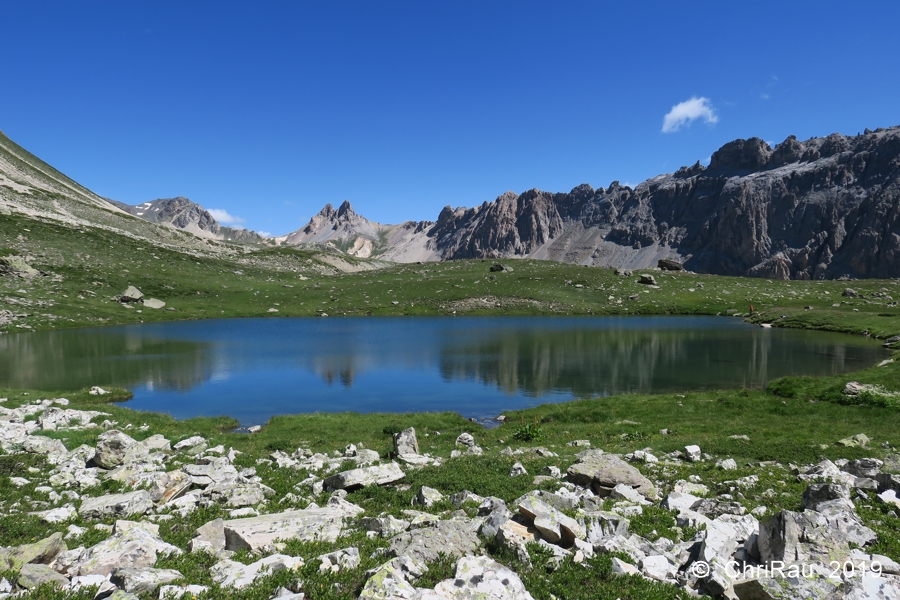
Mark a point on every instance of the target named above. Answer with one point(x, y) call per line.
point(357, 478)
point(311, 524)
point(456, 537)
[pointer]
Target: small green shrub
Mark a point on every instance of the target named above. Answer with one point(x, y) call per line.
point(529, 433)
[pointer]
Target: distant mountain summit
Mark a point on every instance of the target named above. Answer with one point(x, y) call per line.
point(822, 208)
point(359, 236)
point(182, 213)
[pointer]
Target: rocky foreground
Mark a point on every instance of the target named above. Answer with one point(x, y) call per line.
point(727, 551)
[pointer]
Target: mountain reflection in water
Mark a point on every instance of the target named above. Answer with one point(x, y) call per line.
point(477, 366)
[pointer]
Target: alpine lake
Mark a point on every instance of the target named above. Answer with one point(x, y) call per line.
point(252, 369)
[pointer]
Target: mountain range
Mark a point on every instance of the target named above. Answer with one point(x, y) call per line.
point(820, 208)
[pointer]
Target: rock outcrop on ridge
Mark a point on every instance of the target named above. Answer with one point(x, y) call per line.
point(183, 214)
point(822, 208)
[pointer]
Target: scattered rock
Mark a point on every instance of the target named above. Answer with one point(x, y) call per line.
point(860, 440)
point(134, 545)
point(405, 442)
point(154, 303)
point(517, 469)
point(604, 472)
point(132, 294)
point(465, 439)
point(428, 497)
point(231, 574)
point(481, 577)
point(111, 448)
point(16, 265)
point(693, 453)
point(669, 265)
point(34, 575)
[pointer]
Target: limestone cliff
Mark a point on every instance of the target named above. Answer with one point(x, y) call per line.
point(823, 208)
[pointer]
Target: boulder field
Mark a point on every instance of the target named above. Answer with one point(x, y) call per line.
point(819, 550)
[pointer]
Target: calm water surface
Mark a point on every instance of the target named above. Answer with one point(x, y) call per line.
point(252, 369)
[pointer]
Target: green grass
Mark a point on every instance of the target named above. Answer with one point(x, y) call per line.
point(89, 268)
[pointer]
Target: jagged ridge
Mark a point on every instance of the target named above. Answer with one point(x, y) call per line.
point(823, 208)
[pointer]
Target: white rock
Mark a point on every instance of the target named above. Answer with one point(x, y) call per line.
point(228, 573)
point(658, 567)
point(729, 464)
point(626, 492)
point(465, 439)
point(620, 567)
point(255, 533)
point(678, 501)
point(480, 577)
point(57, 515)
point(693, 453)
point(517, 469)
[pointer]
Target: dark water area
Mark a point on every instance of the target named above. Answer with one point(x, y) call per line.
point(252, 369)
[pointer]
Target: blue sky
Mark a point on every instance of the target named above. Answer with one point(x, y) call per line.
point(266, 111)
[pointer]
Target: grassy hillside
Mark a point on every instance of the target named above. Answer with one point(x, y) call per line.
point(86, 269)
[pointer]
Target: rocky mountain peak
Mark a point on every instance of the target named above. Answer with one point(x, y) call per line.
point(343, 214)
point(345, 211)
point(741, 155)
point(327, 211)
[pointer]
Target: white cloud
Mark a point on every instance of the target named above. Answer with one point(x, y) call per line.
point(266, 234)
point(221, 215)
point(685, 113)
